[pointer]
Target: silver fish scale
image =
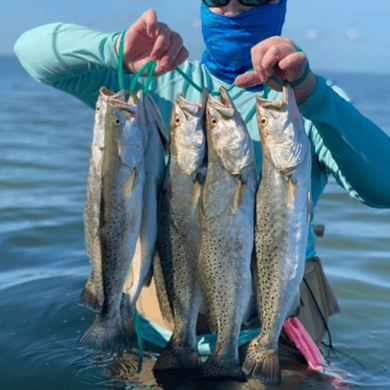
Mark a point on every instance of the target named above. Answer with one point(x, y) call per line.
point(227, 234)
point(154, 138)
point(179, 234)
point(120, 201)
point(281, 231)
point(92, 295)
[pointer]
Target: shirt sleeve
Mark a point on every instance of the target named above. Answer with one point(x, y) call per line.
point(352, 148)
point(72, 58)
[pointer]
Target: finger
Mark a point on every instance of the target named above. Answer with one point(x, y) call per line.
point(181, 57)
point(162, 43)
point(165, 63)
point(293, 65)
point(147, 21)
point(257, 54)
point(273, 55)
point(167, 66)
point(174, 47)
point(248, 79)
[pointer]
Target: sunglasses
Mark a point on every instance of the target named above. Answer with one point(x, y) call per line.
point(251, 3)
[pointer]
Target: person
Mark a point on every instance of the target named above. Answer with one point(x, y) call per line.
point(239, 35)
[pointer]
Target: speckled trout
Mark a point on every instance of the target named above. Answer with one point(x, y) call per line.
point(179, 236)
point(227, 231)
point(119, 204)
point(92, 295)
point(155, 136)
point(283, 211)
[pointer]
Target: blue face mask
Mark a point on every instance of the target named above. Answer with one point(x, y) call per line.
point(229, 39)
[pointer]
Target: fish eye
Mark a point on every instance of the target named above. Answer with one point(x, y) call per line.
point(264, 121)
point(118, 121)
point(177, 120)
point(97, 108)
point(214, 121)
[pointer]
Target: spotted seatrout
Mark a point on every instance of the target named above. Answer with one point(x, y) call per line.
point(283, 210)
point(227, 231)
point(155, 138)
point(179, 236)
point(116, 220)
point(92, 295)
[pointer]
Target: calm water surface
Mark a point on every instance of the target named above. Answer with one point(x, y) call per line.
point(44, 150)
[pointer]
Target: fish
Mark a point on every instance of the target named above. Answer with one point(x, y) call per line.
point(156, 140)
point(228, 199)
point(179, 233)
point(120, 202)
point(92, 295)
point(283, 213)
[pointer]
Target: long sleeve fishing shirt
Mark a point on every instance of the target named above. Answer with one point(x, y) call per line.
point(344, 143)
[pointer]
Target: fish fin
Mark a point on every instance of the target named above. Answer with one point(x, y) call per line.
point(148, 277)
point(201, 173)
point(217, 368)
point(237, 196)
point(261, 364)
point(162, 294)
point(294, 311)
point(176, 357)
point(309, 206)
point(107, 334)
point(319, 230)
point(127, 310)
point(89, 297)
point(157, 119)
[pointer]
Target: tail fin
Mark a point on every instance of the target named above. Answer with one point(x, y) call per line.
point(263, 365)
point(89, 297)
point(107, 334)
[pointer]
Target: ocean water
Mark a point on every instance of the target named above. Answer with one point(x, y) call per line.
point(44, 150)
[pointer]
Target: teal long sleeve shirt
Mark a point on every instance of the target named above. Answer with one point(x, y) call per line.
point(345, 144)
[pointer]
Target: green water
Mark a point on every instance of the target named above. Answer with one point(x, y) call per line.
point(44, 150)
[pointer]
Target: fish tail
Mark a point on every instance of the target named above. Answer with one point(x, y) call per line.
point(89, 297)
point(178, 357)
point(218, 368)
point(263, 365)
point(107, 334)
point(127, 311)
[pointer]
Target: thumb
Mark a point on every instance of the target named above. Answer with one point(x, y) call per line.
point(149, 19)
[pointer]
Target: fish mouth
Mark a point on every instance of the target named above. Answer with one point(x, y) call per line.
point(224, 106)
point(277, 104)
point(225, 98)
point(187, 108)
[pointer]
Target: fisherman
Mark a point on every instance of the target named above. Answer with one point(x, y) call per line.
point(239, 35)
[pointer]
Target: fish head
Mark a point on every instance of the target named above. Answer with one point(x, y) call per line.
point(227, 136)
point(98, 128)
point(123, 138)
point(187, 137)
point(281, 129)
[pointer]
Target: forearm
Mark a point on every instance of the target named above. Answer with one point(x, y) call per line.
point(354, 149)
point(75, 59)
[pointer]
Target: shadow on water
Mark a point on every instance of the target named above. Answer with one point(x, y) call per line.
point(295, 375)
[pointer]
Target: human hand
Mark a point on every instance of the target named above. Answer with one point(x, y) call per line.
point(146, 40)
point(279, 57)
